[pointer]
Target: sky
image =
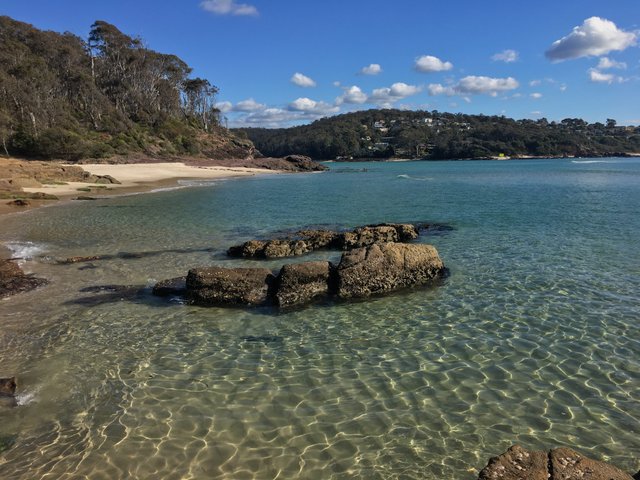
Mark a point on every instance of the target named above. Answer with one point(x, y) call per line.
point(279, 63)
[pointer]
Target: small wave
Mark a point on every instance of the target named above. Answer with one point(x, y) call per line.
point(25, 250)
point(198, 183)
point(594, 161)
point(420, 179)
point(26, 398)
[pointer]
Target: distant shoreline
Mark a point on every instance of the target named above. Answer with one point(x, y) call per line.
point(518, 157)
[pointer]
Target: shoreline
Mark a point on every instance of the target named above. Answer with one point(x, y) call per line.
point(134, 178)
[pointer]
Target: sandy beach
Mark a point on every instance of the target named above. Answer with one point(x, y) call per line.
point(140, 177)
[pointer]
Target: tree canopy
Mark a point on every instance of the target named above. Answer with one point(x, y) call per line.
point(65, 97)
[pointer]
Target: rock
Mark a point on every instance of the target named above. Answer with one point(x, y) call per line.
point(300, 283)
point(317, 239)
point(229, 286)
point(13, 280)
point(107, 179)
point(85, 197)
point(90, 258)
point(250, 249)
point(7, 392)
point(8, 386)
point(517, 463)
point(567, 464)
point(301, 162)
point(365, 236)
point(385, 267)
point(170, 287)
point(19, 202)
point(562, 463)
point(406, 231)
point(284, 248)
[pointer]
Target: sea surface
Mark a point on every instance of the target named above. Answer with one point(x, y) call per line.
point(533, 338)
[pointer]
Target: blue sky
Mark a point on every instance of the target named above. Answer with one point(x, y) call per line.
point(557, 59)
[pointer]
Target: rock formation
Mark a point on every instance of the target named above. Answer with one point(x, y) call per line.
point(518, 463)
point(13, 280)
point(305, 241)
point(7, 392)
point(384, 267)
point(365, 271)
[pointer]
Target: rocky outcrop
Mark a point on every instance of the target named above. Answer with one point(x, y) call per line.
point(299, 283)
point(210, 286)
point(171, 287)
point(518, 463)
point(7, 392)
point(305, 241)
point(13, 280)
point(375, 269)
point(384, 267)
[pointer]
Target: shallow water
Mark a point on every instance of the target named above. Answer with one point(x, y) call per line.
point(533, 338)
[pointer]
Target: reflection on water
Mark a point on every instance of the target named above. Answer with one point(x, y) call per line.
point(532, 339)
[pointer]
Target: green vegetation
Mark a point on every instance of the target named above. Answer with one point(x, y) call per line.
point(437, 135)
point(62, 97)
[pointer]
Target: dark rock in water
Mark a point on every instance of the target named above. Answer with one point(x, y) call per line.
point(303, 163)
point(85, 197)
point(305, 241)
point(13, 280)
point(19, 202)
point(170, 287)
point(8, 386)
point(6, 443)
point(518, 463)
point(263, 339)
point(229, 286)
point(90, 258)
point(7, 392)
point(569, 464)
point(384, 267)
point(300, 283)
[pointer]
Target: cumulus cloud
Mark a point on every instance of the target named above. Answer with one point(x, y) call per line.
point(249, 105)
point(475, 85)
point(507, 56)
point(373, 69)
point(302, 80)
point(606, 63)
point(228, 7)
point(596, 76)
point(429, 63)
point(536, 95)
point(307, 105)
point(596, 36)
point(224, 107)
point(353, 94)
point(389, 95)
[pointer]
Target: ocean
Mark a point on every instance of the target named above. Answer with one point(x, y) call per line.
point(533, 338)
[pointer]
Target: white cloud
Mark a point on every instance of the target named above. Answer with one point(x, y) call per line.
point(439, 89)
point(228, 7)
point(596, 36)
point(224, 107)
point(563, 87)
point(249, 105)
point(373, 69)
point(536, 95)
point(536, 113)
point(596, 76)
point(336, 83)
point(429, 63)
point(506, 56)
point(535, 83)
point(307, 105)
point(475, 85)
point(606, 63)
point(302, 80)
point(352, 94)
point(389, 95)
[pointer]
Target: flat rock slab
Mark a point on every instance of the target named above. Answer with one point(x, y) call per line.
point(517, 463)
point(170, 287)
point(300, 283)
point(563, 463)
point(229, 286)
point(13, 280)
point(385, 267)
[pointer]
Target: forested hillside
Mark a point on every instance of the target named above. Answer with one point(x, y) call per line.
point(437, 135)
point(62, 97)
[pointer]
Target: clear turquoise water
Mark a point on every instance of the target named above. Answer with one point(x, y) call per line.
point(534, 338)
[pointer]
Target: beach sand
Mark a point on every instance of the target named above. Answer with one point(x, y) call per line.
point(140, 177)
